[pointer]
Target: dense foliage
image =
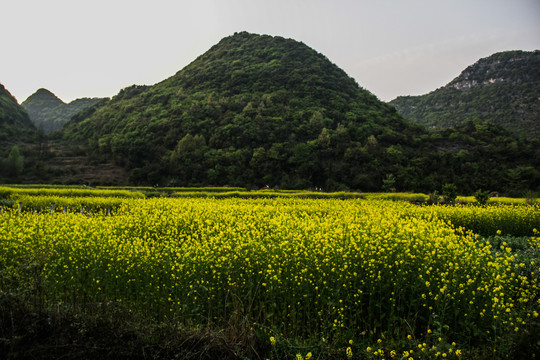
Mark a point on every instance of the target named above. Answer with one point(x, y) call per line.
point(503, 88)
point(253, 110)
point(49, 113)
point(259, 111)
point(15, 125)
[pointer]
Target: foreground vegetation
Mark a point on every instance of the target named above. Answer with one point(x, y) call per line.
point(278, 278)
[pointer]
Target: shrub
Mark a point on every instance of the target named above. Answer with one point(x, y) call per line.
point(481, 196)
point(449, 192)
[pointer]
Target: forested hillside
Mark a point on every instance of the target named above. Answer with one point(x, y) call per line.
point(49, 113)
point(258, 110)
point(15, 125)
point(503, 88)
point(255, 110)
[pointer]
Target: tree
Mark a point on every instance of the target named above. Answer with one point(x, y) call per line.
point(187, 158)
point(481, 196)
point(15, 161)
point(389, 183)
point(449, 193)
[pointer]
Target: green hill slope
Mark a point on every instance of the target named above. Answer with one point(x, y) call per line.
point(50, 113)
point(15, 125)
point(503, 88)
point(257, 110)
point(253, 109)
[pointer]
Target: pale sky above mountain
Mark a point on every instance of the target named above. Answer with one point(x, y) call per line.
point(95, 48)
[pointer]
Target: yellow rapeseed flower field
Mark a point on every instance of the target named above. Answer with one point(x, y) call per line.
point(290, 267)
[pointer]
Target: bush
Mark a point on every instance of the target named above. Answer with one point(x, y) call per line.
point(434, 197)
point(449, 193)
point(530, 197)
point(481, 196)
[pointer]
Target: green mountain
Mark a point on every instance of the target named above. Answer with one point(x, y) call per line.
point(503, 89)
point(15, 125)
point(257, 110)
point(50, 113)
point(253, 109)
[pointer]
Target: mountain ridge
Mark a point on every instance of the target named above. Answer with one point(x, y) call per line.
point(503, 88)
point(482, 72)
point(258, 110)
point(15, 124)
point(50, 113)
point(239, 99)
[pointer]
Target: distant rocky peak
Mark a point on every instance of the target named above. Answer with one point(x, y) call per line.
point(502, 89)
point(509, 66)
point(44, 95)
point(467, 83)
point(50, 113)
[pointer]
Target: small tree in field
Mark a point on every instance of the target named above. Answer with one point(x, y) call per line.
point(434, 197)
point(481, 196)
point(449, 193)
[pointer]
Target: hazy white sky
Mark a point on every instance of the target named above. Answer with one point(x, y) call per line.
point(95, 48)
